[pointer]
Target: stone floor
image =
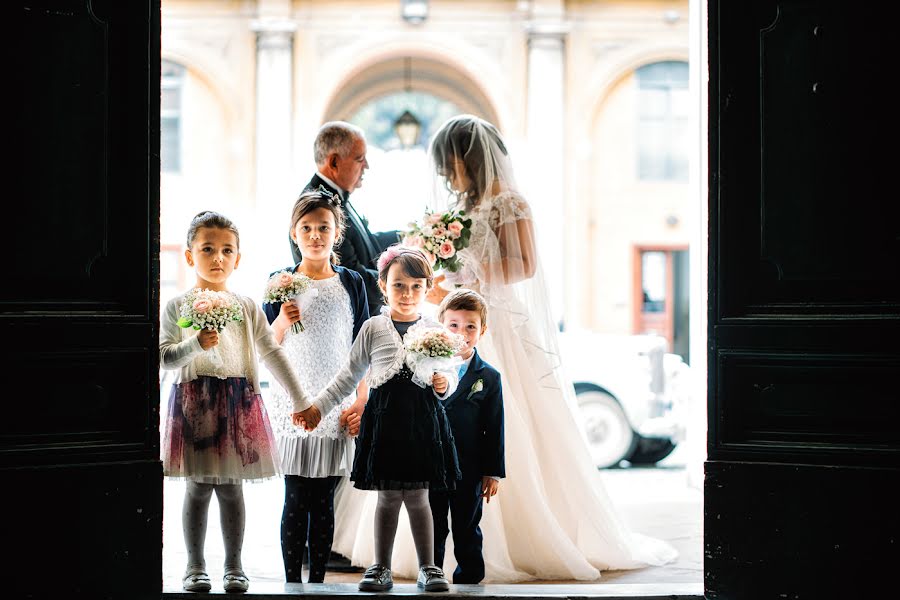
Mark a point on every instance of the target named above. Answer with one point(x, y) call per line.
point(662, 502)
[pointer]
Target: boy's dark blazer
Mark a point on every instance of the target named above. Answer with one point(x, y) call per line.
point(476, 419)
point(360, 248)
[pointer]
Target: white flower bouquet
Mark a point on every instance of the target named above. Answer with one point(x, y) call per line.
point(431, 348)
point(209, 309)
point(286, 286)
point(441, 236)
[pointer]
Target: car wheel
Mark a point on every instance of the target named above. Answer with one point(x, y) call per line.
point(609, 434)
point(649, 451)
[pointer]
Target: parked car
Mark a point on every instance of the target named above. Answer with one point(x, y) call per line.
point(631, 393)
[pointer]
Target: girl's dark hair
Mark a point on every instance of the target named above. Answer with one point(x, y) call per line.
point(412, 260)
point(211, 220)
point(456, 140)
point(312, 200)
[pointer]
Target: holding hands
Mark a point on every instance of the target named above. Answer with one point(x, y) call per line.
point(307, 419)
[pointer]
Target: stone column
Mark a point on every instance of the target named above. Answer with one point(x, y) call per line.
point(545, 176)
point(274, 124)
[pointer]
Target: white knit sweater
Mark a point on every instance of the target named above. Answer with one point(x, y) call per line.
point(179, 346)
point(378, 348)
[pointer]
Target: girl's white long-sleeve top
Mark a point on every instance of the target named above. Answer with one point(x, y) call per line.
point(179, 346)
point(379, 349)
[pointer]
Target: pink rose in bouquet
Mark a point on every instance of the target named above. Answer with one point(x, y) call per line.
point(441, 236)
point(287, 286)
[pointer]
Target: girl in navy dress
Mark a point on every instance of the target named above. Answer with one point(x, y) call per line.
point(405, 446)
point(314, 462)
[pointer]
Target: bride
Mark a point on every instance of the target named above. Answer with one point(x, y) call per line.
point(551, 519)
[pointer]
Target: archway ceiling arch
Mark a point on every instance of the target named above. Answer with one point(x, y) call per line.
point(427, 75)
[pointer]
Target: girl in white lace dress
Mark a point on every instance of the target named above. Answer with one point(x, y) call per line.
point(314, 462)
point(217, 433)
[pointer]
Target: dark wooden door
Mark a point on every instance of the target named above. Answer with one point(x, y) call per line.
point(79, 441)
point(804, 279)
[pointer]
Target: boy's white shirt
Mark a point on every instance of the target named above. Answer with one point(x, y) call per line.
point(179, 346)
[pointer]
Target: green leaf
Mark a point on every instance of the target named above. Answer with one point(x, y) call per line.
point(184, 322)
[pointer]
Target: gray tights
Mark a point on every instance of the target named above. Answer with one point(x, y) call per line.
point(194, 515)
point(387, 513)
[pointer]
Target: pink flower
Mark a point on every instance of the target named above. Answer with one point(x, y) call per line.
point(219, 300)
point(431, 258)
point(455, 228)
point(439, 231)
point(414, 241)
point(446, 250)
point(285, 279)
point(433, 219)
point(202, 305)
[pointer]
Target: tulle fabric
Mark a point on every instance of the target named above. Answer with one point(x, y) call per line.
point(217, 431)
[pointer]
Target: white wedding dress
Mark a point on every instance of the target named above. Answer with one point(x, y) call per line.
point(552, 519)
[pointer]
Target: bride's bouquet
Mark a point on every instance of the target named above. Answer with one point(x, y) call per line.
point(209, 309)
point(441, 236)
point(431, 348)
point(286, 286)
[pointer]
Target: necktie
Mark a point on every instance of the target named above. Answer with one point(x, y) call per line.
point(462, 370)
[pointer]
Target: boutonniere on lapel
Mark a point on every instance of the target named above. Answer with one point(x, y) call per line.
point(476, 387)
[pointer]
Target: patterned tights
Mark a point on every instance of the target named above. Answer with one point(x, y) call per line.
point(194, 514)
point(307, 521)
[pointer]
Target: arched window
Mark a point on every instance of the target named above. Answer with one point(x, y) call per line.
point(663, 106)
point(170, 116)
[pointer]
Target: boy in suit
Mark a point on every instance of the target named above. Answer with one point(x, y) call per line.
point(475, 412)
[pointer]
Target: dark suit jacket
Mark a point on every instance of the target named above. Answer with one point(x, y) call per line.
point(476, 419)
point(360, 249)
point(351, 281)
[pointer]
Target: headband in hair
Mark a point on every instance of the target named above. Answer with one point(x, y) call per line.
point(332, 197)
point(388, 256)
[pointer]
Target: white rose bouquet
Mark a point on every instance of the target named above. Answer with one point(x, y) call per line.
point(286, 286)
point(441, 236)
point(431, 348)
point(209, 309)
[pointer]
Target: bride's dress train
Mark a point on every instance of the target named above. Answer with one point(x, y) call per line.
point(552, 518)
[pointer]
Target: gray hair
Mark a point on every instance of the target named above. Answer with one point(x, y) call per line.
point(335, 136)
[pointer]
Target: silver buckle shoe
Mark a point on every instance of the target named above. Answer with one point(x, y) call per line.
point(377, 578)
point(431, 579)
point(196, 580)
point(235, 581)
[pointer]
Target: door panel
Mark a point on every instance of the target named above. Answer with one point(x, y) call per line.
point(79, 442)
point(804, 443)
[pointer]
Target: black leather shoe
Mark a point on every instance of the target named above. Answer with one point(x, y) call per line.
point(377, 578)
point(431, 579)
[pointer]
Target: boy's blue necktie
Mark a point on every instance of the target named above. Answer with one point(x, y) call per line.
point(462, 370)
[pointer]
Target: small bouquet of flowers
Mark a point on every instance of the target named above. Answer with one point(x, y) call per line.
point(287, 286)
point(441, 236)
point(431, 348)
point(209, 309)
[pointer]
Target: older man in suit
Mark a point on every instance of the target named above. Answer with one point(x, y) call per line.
point(340, 155)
